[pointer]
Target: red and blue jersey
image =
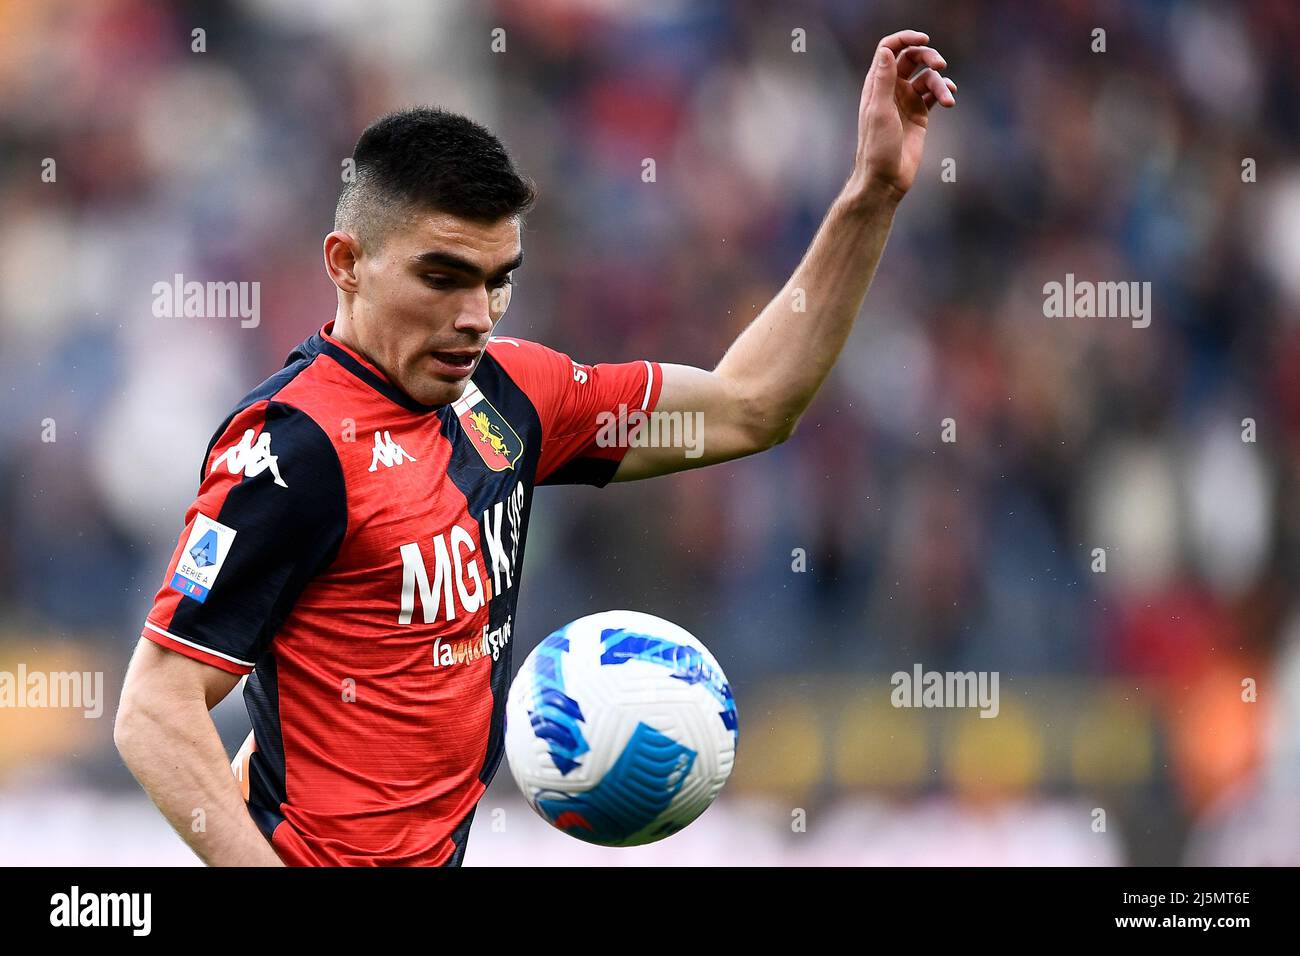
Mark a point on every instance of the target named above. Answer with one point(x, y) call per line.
point(357, 554)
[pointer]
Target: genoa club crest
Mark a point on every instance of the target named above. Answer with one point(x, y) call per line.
point(488, 430)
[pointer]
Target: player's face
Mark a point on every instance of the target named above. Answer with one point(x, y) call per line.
point(429, 297)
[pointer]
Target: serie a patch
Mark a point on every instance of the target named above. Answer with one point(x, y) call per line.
point(201, 559)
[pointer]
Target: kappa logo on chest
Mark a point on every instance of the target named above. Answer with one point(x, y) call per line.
point(388, 453)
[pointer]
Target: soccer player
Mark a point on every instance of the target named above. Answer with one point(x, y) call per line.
point(356, 542)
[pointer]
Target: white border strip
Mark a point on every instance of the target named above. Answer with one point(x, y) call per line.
point(468, 399)
point(198, 647)
point(649, 384)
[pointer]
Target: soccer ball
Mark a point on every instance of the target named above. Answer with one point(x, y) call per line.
point(620, 728)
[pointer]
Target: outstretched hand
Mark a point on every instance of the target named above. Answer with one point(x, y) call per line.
point(902, 85)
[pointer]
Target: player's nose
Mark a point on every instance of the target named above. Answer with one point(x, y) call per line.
point(475, 318)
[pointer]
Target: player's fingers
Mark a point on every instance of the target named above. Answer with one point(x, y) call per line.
point(915, 56)
point(929, 99)
point(930, 82)
point(927, 81)
point(903, 38)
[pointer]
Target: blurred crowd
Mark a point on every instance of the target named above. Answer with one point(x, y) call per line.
point(1169, 155)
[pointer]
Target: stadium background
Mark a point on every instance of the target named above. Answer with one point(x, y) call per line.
point(1119, 690)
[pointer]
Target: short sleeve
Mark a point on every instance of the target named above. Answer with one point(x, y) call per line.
point(270, 514)
point(586, 411)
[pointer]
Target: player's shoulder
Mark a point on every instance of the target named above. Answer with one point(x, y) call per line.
point(526, 359)
point(273, 419)
point(511, 347)
point(539, 371)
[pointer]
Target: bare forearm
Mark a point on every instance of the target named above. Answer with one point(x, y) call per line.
point(779, 362)
point(182, 765)
point(784, 355)
point(754, 397)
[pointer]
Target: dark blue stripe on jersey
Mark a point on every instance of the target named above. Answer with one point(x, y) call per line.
point(583, 471)
point(482, 488)
point(460, 838)
point(579, 471)
point(266, 778)
point(266, 820)
point(284, 536)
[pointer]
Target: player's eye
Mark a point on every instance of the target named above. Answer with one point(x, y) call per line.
point(440, 281)
point(503, 282)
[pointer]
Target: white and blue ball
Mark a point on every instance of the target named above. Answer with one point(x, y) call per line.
point(620, 728)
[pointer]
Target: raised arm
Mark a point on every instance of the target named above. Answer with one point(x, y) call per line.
point(756, 394)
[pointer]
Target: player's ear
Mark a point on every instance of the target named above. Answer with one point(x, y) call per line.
point(342, 250)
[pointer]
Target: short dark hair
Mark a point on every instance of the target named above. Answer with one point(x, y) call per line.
point(426, 158)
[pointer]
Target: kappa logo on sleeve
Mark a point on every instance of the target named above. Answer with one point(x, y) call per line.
point(251, 459)
point(201, 559)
